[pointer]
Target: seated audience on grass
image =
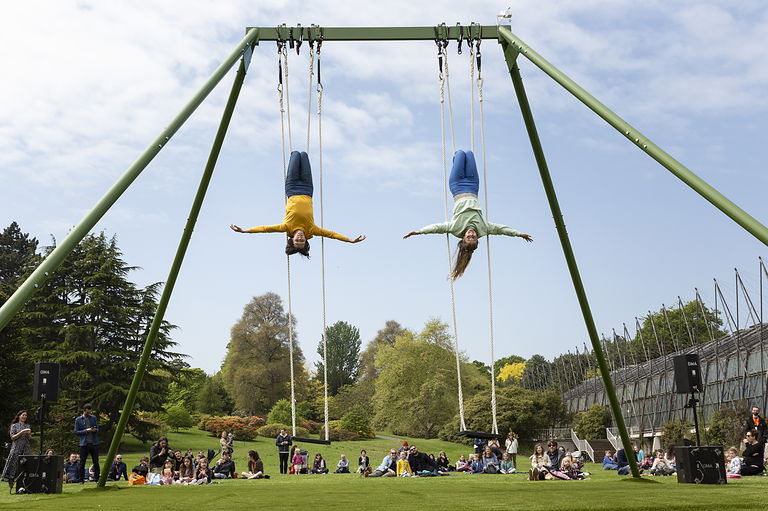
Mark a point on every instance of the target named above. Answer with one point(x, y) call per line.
point(647, 462)
point(569, 470)
point(203, 474)
point(622, 462)
point(255, 467)
point(493, 443)
point(490, 461)
point(118, 469)
point(420, 462)
point(200, 455)
point(480, 444)
point(443, 463)
point(318, 465)
point(91, 477)
point(463, 465)
point(638, 453)
point(158, 453)
point(177, 460)
point(342, 467)
point(186, 472)
point(403, 467)
point(539, 457)
point(577, 458)
point(224, 468)
point(609, 461)
point(477, 464)
point(733, 464)
point(403, 447)
point(72, 469)
point(753, 455)
point(506, 466)
point(388, 467)
point(167, 475)
point(670, 457)
point(661, 466)
point(363, 461)
point(553, 455)
point(297, 461)
point(142, 469)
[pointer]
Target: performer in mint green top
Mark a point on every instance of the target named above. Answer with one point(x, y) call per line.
point(467, 222)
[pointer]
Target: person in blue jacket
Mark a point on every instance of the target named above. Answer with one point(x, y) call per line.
point(87, 428)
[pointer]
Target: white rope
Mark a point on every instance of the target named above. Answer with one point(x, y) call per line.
point(443, 77)
point(309, 95)
point(322, 247)
point(284, 70)
point(488, 245)
point(472, 95)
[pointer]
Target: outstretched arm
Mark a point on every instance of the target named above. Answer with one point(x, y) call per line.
point(412, 233)
point(330, 234)
point(260, 228)
point(505, 230)
point(430, 229)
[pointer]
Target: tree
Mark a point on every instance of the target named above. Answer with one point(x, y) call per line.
point(415, 390)
point(213, 398)
point(343, 352)
point(256, 368)
point(384, 337)
point(281, 413)
point(186, 387)
point(592, 423)
point(178, 417)
point(537, 374)
point(511, 373)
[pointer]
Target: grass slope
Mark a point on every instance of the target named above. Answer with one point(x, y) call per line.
point(604, 491)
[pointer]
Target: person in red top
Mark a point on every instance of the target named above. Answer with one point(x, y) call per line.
point(756, 422)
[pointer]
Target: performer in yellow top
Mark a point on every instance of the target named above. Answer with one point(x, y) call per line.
point(299, 221)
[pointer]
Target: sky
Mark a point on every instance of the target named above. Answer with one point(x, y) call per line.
point(88, 85)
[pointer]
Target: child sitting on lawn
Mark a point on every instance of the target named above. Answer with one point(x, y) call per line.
point(463, 465)
point(506, 467)
point(403, 467)
point(733, 464)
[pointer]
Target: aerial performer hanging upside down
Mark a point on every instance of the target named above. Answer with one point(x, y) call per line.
point(468, 222)
point(299, 222)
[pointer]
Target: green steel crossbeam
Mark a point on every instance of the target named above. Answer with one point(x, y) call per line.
point(314, 32)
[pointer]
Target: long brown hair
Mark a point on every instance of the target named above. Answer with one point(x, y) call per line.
point(463, 256)
point(290, 249)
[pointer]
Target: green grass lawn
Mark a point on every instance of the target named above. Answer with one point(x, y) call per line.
point(604, 491)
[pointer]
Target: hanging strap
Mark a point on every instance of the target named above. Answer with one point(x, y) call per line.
point(442, 57)
point(282, 67)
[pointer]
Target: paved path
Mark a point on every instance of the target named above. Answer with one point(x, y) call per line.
point(388, 438)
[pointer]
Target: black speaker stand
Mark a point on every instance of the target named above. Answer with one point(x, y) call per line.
point(41, 419)
point(692, 404)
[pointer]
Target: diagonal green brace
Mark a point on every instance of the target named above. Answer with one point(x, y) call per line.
point(173, 274)
point(578, 285)
point(55, 258)
point(738, 215)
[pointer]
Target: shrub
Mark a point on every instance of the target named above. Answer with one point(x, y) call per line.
point(272, 430)
point(281, 413)
point(342, 435)
point(676, 433)
point(178, 417)
point(726, 427)
point(244, 428)
point(358, 421)
point(312, 426)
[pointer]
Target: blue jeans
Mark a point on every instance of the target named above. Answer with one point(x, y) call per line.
point(298, 180)
point(464, 177)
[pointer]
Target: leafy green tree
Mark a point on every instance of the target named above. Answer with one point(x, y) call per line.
point(213, 398)
point(281, 413)
point(415, 390)
point(178, 417)
point(257, 368)
point(384, 337)
point(185, 388)
point(537, 374)
point(359, 395)
point(726, 427)
point(358, 421)
point(592, 423)
point(343, 353)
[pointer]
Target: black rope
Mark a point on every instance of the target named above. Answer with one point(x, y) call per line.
point(478, 56)
point(319, 44)
point(280, 46)
point(299, 40)
point(461, 36)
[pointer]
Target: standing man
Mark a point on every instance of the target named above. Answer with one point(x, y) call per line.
point(87, 428)
point(283, 443)
point(756, 422)
point(511, 445)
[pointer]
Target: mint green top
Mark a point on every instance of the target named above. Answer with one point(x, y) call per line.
point(467, 214)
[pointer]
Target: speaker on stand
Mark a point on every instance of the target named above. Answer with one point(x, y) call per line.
point(45, 389)
point(688, 381)
point(40, 474)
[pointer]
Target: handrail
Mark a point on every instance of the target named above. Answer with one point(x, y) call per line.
point(612, 438)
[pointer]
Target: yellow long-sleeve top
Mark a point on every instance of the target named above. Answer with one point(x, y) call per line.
point(298, 215)
point(403, 466)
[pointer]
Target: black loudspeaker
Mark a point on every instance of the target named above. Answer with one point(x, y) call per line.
point(46, 382)
point(40, 474)
point(701, 465)
point(687, 374)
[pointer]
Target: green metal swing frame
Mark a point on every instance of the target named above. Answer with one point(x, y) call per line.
point(512, 47)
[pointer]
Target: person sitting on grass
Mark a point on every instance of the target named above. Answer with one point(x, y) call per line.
point(622, 462)
point(463, 465)
point(72, 469)
point(118, 469)
point(255, 467)
point(506, 466)
point(661, 466)
point(186, 472)
point(554, 456)
point(203, 474)
point(342, 467)
point(142, 469)
point(477, 464)
point(647, 462)
point(609, 461)
point(224, 468)
point(388, 465)
point(363, 462)
point(539, 461)
point(166, 476)
point(403, 467)
point(297, 461)
point(178, 459)
point(443, 463)
point(568, 469)
point(318, 465)
point(490, 461)
point(753, 455)
point(733, 466)
point(420, 462)
point(671, 459)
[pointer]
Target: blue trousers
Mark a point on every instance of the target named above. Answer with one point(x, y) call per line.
point(464, 177)
point(298, 179)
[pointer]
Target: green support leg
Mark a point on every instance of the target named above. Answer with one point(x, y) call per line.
point(721, 202)
point(165, 297)
point(55, 258)
point(546, 180)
